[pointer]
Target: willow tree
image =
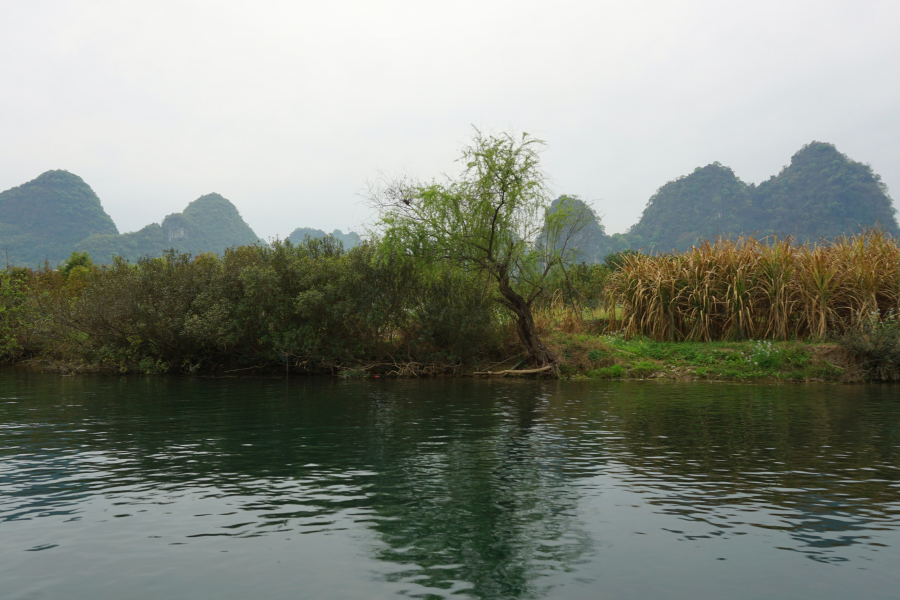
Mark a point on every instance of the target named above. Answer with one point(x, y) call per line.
point(491, 220)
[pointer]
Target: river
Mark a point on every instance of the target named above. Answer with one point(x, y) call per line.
point(155, 487)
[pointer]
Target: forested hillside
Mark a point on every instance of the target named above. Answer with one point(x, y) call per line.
point(210, 223)
point(44, 218)
point(589, 243)
point(821, 194)
point(349, 239)
point(710, 201)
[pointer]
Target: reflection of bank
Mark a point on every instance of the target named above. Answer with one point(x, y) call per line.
point(462, 482)
point(818, 467)
point(43, 479)
point(461, 485)
point(478, 498)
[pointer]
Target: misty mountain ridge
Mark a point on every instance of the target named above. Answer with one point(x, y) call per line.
point(210, 223)
point(821, 194)
point(47, 218)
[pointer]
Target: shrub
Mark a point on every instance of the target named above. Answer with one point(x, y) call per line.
point(643, 368)
point(312, 304)
point(610, 372)
point(765, 356)
point(875, 344)
point(13, 308)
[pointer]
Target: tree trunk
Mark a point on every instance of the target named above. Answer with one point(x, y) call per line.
point(538, 354)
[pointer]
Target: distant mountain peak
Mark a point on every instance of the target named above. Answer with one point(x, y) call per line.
point(211, 223)
point(44, 218)
point(822, 193)
point(349, 239)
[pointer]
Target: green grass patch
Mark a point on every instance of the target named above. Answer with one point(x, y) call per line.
point(614, 357)
point(611, 372)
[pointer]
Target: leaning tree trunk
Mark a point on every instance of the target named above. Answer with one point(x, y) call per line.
point(538, 353)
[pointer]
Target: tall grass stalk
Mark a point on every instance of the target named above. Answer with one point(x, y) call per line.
point(746, 288)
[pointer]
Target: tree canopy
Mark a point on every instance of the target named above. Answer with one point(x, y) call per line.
point(486, 221)
point(349, 240)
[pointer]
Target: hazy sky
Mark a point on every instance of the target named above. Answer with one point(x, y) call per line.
point(289, 108)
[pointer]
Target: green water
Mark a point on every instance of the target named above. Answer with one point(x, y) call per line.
point(200, 488)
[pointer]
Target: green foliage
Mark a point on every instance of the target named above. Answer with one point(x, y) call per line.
point(13, 309)
point(312, 304)
point(487, 219)
point(769, 356)
point(148, 241)
point(728, 361)
point(491, 221)
point(643, 368)
point(875, 343)
point(210, 223)
point(610, 372)
point(580, 285)
point(584, 284)
point(42, 220)
point(450, 312)
point(349, 240)
point(77, 260)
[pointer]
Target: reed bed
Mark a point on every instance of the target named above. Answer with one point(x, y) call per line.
point(748, 288)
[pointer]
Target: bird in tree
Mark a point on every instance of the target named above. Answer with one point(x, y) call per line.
point(492, 220)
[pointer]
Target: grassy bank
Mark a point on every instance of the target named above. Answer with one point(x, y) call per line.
point(614, 357)
point(586, 356)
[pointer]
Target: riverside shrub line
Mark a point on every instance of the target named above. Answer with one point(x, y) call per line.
point(717, 312)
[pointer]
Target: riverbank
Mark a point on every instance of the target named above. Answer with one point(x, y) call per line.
point(313, 309)
point(592, 356)
point(614, 357)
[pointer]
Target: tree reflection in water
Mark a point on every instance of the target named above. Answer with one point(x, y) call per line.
point(476, 487)
point(486, 502)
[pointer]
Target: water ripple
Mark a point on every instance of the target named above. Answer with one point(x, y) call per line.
point(445, 489)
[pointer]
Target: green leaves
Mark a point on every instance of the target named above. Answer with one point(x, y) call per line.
point(489, 219)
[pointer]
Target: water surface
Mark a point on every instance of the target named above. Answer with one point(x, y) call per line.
point(133, 487)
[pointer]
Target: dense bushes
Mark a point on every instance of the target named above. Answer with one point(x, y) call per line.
point(875, 343)
point(13, 306)
point(311, 305)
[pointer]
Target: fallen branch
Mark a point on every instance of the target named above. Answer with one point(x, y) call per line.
point(245, 369)
point(514, 372)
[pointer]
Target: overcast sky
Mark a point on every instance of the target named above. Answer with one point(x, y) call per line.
point(289, 108)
